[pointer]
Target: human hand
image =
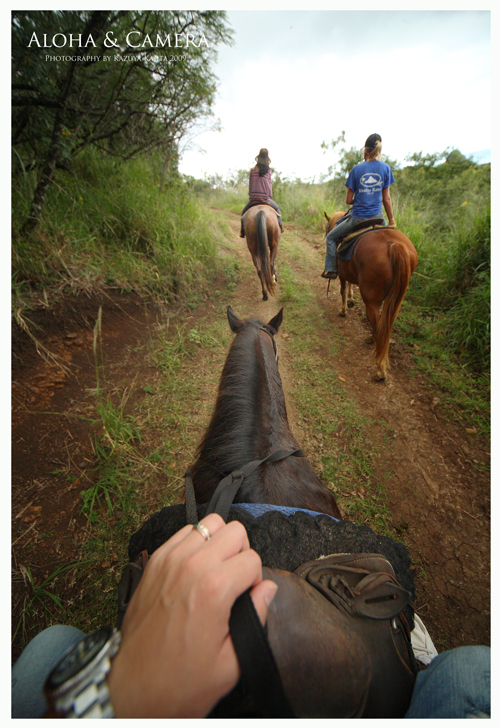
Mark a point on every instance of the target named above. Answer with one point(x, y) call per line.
point(176, 658)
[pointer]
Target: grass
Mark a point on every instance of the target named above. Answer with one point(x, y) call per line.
point(141, 457)
point(464, 395)
point(108, 225)
point(344, 433)
point(40, 598)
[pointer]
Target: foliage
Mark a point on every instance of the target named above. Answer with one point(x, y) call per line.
point(125, 96)
point(108, 224)
point(39, 594)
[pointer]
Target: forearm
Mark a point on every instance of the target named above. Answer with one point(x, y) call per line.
point(388, 209)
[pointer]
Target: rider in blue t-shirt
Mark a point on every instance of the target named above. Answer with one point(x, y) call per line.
point(368, 190)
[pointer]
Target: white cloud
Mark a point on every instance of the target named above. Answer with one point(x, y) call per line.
point(295, 79)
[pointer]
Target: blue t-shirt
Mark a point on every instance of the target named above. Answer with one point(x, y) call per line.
point(367, 180)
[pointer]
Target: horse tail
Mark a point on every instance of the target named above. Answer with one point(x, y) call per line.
point(401, 267)
point(263, 252)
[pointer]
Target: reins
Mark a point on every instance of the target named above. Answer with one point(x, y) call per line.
point(275, 345)
point(228, 487)
point(258, 666)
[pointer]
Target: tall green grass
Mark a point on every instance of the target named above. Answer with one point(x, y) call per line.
point(107, 223)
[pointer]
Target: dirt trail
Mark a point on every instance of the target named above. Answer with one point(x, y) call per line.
point(438, 496)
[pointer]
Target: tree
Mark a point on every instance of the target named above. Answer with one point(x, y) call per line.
point(136, 81)
point(348, 158)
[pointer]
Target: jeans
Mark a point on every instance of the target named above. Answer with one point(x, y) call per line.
point(35, 663)
point(455, 685)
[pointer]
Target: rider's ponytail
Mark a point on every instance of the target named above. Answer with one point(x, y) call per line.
point(374, 152)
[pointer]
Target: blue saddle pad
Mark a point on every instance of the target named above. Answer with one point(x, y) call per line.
point(345, 250)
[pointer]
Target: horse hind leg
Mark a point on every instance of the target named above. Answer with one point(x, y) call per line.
point(264, 292)
point(381, 352)
point(381, 344)
point(262, 283)
point(382, 368)
point(273, 252)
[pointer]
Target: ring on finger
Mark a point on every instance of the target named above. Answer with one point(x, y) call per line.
point(203, 530)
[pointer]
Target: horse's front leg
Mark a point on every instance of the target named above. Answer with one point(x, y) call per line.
point(343, 293)
point(350, 296)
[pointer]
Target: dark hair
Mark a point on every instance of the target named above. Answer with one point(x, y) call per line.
point(263, 161)
point(372, 140)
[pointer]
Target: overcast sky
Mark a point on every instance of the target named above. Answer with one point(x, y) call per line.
point(293, 79)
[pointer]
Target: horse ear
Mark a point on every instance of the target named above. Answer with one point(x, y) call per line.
point(327, 217)
point(275, 322)
point(235, 323)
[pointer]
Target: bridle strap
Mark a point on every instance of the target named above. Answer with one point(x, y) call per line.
point(225, 493)
point(191, 509)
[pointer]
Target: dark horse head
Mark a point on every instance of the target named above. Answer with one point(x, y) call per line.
point(250, 422)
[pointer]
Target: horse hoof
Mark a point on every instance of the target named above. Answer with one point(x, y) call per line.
point(380, 377)
point(350, 304)
point(343, 314)
point(264, 297)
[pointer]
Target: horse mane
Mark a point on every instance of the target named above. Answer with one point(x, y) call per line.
point(249, 423)
point(230, 439)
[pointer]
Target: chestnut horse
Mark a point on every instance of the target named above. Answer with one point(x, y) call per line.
point(250, 424)
point(382, 264)
point(262, 232)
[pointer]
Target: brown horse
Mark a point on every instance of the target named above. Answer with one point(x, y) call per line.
point(250, 423)
point(382, 264)
point(337, 637)
point(263, 233)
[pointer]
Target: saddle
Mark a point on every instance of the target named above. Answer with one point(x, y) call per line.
point(341, 645)
point(346, 244)
point(339, 642)
point(253, 204)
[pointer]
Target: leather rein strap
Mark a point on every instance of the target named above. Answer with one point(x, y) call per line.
point(258, 666)
point(225, 493)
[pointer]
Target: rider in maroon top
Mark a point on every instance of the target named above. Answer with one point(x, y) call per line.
point(260, 187)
